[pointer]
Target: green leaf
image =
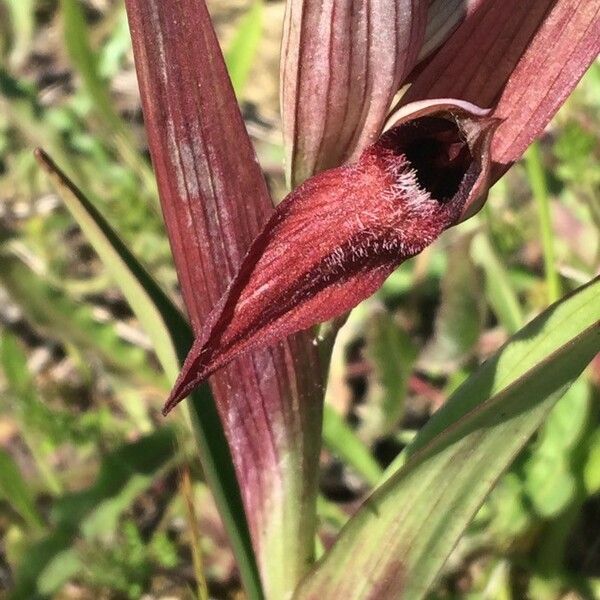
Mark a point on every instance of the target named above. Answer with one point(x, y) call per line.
point(405, 531)
point(171, 337)
point(498, 288)
point(343, 442)
point(391, 354)
point(460, 318)
point(242, 48)
point(14, 489)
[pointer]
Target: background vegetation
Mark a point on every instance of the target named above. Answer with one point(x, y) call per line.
point(96, 487)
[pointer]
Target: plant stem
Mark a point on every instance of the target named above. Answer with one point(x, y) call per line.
point(539, 188)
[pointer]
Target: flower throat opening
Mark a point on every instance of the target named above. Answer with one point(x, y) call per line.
point(438, 152)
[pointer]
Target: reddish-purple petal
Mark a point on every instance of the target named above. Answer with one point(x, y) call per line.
point(342, 62)
point(476, 61)
point(563, 48)
point(523, 58)
point(334, 240)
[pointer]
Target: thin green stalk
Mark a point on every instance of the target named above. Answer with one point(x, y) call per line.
point(539, 188)
point(171, 337)
point(195, 547)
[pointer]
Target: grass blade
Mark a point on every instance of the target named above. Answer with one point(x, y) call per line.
point(340, 438)
point(242, 48)
point(171, 337)
point(14, 489)
point(86, 62)
point(539, 188)
point(498, 288)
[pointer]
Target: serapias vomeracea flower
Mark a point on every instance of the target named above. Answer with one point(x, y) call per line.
point(334, 240)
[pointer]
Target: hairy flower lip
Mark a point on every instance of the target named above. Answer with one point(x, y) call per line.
point(315, 259)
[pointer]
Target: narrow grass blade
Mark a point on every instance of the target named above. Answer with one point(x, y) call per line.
point(539, 188)
point(161, 321)
point(77, 42)
point(85, 59)
point(340, 439)
point(498, 288)
point(405, 531)
point(22, 17)
point(14, 489)
point(171, 337)
point(242, 48)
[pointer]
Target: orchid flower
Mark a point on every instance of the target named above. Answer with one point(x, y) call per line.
point(333, 241)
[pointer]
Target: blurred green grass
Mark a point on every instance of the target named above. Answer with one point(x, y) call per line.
point(87, 508)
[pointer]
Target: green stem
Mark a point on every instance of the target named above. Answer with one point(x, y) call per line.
point(539, 188)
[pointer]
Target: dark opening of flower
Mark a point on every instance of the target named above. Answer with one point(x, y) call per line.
point(334, 240)
point(438, 152)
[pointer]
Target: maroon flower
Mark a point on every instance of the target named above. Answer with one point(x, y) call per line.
point(333, 241)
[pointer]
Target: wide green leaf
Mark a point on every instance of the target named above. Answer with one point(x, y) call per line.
point(397, 543)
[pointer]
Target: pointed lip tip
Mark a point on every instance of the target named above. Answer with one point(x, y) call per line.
point(172, 401)
point(179, 392)
point(176, 396)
